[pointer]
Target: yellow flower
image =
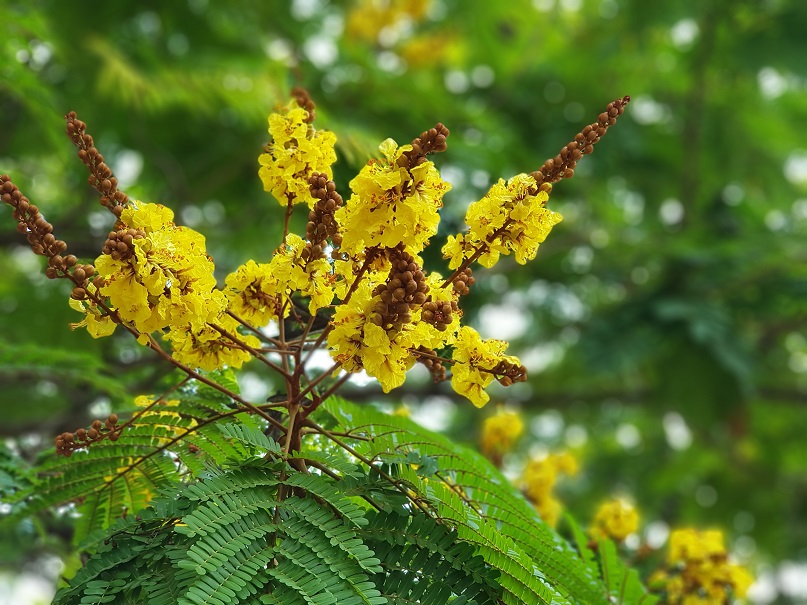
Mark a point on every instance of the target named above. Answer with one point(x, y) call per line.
point(368, 18)
point(257, 292)
point(252, 291)
point(615, 519)
point(293, 274)
point(384, 358)
point(538, 481)
point(699, 570)
point(474, 361)
point(690, 544)
point(510, 218)
point(297, 151)
point(97, 322)
point(166, 278)
point(208, 349)
point(500, 432)
point(403, 411)
point(358, 344)
point(740, 579)
point(391, 204)
point(346, 339)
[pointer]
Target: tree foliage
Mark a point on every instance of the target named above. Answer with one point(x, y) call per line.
point(637, 315)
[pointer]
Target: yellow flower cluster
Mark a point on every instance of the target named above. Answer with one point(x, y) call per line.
point(510, 218)
point(392, 204)
point(474, 359)
point(96, 320)
point(368, 18)
point(165, 278)
point(699, 572)
point(500, 432)
point(258, 293)
point(538, 483)
point(360, 260)
point(359, 344)
point(157, 277)
point(615, 520)
point(297, 151)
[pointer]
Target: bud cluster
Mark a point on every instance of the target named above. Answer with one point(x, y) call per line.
point(321, 224)
point(404, 290)
point(463, 281)
point(433, 363)
point(430, 141)
point(39, 233)
point(101, 177)
point(67, 443)
point(562, 165)
point(439, 313)
point(303, 99)
point(118, 243)
point(507, 372)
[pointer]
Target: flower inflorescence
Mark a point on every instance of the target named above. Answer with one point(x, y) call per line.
point(699, 570)
point(615, 519)
point(370, 300)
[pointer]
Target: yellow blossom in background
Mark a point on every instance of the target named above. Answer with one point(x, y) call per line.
point(403, 411)
point(691, 544)
point(392, 204)
point(699, 571)
point(369, 18)
point(511, 218)
point(500, 432)
point(297, 151)
point(538, 483)
point(615, 519)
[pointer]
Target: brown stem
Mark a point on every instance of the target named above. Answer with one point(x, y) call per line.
point(254, 352)
point(152, 344)
point(323, 396)
point(139, 413)
point(483, 247)
point(369, 463)
point(260, 335)
point(289, 210)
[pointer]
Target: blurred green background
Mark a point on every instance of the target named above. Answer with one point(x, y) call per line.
point(663, 322)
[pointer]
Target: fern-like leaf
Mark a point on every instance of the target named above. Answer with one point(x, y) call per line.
point(623, 583)
point(487, 510)
point(109, 479)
